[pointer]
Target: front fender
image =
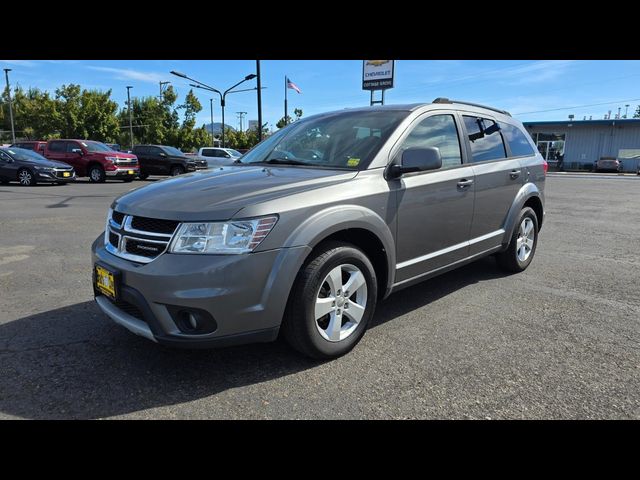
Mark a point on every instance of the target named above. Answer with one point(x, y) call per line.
point(527, 191)
point(345, 217)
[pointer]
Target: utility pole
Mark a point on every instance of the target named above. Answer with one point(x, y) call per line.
point(213, 143)
point(626, 110)
point(13, 131)
point(130, 120)
point(241, 116)
point(259, 86)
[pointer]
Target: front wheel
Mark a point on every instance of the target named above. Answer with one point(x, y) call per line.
point(26, 178)
point(331, 303)
point(176, 171)
point(143, 176)
point(517, 257)
point(97, 175)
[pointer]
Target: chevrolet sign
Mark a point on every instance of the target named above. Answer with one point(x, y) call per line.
point(377, 74)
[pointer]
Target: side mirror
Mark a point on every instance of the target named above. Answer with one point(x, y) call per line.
point(77, 151)
point(226, 155)
point(416, 160)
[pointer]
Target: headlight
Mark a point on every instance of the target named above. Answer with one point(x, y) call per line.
point(44, 169)
point(237, 236)
point(111, 159)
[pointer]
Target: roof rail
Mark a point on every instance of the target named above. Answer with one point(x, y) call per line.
point(446, 100)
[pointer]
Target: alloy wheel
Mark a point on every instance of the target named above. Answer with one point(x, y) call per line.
point(525, 240)
point(340, 302)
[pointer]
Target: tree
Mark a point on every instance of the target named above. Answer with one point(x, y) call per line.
point(281, 123)
point(637, 114)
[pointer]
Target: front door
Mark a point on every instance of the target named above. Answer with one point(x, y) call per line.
point(435, 208)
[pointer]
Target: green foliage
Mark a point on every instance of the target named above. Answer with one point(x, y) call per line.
point(283, 122)
point(91, 114)
point(637, 114)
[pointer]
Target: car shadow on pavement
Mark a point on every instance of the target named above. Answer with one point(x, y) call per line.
point(73, 362)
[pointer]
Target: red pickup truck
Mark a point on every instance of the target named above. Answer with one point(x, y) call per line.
point(93, 159)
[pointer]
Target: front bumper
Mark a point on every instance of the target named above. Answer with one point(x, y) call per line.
point(54, 177)
point(245, 295)
point(123, 172)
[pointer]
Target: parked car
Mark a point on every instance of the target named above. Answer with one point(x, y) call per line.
point(93, 159)
point(219, 156)
point(165, 160)
point(35, 145)
point(281, 242)
point(29, 167)
point(608, 164)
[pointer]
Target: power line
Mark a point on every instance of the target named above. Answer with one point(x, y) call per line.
point(579, 106)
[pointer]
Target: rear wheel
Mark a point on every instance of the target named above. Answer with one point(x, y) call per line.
point(176, 171)
point(26, 177)
point(332, 301)
point(96, 174)
point(523, 243)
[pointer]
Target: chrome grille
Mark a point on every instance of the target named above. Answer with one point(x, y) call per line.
point(139, 239)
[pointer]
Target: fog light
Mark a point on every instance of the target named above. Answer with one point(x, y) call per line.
point(192, 321)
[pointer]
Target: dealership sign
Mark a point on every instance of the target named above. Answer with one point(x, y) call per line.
point(377, 74)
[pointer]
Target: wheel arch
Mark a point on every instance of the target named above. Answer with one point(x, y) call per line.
point(528, 196)
point(358, 226)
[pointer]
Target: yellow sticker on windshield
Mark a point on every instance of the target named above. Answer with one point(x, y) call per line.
point(353, 162)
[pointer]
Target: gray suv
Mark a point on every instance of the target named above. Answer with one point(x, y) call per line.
point(310, 228)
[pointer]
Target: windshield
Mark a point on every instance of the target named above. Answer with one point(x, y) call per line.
point(173, 151)
point(340, 140)
point(233, 153)
point(24, 154)
point(96, 147)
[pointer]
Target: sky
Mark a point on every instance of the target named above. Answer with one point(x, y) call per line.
point(529, 89)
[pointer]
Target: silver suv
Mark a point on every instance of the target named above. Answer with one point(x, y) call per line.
point(310, 228)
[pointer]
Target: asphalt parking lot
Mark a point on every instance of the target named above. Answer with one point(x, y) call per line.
point(561, 340)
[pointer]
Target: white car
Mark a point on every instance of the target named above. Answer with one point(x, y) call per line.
point(219, 156)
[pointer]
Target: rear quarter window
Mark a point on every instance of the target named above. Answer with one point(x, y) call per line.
point(518, 140)
point(57, 146)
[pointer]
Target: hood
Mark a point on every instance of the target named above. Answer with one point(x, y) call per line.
point(115, 154)
point(219, 194)
point(45, 163)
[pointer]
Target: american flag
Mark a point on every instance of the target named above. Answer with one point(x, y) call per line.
point(292, 85)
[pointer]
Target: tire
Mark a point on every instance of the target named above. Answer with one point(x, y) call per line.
point(517, 257)
point(175, 171)
point(26, 177)
point(61, 183)
point(143, 176)
point(127, 180)
point(315, 337)
point(96, 174)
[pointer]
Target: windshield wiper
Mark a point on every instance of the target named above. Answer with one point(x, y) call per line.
point(283, 161)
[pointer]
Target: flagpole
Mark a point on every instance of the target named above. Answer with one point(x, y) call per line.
point(286, 121)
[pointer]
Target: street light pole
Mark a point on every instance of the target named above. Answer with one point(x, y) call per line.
point(13, 131)
point(161, 85)
point(211, 89)
point(259, 86)
point(130, 120)
point(213, 143)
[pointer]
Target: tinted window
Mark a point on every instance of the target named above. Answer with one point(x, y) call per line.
point(173, 151)
point(207, 152)
point(71, 146)
point(57, 146)
point(437, 131)
point(4, 157)
point(141, 150)
point(485, 139)
point(517, 140)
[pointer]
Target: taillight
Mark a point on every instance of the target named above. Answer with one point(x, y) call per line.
point(545, 166)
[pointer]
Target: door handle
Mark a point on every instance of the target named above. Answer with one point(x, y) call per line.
point(514, 174)
point(464, 183)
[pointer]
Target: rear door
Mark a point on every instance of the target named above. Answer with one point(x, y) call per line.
point(8, 167)
point(159, 161)
point(498, 178)
point(142, 153)
point(57, 150)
